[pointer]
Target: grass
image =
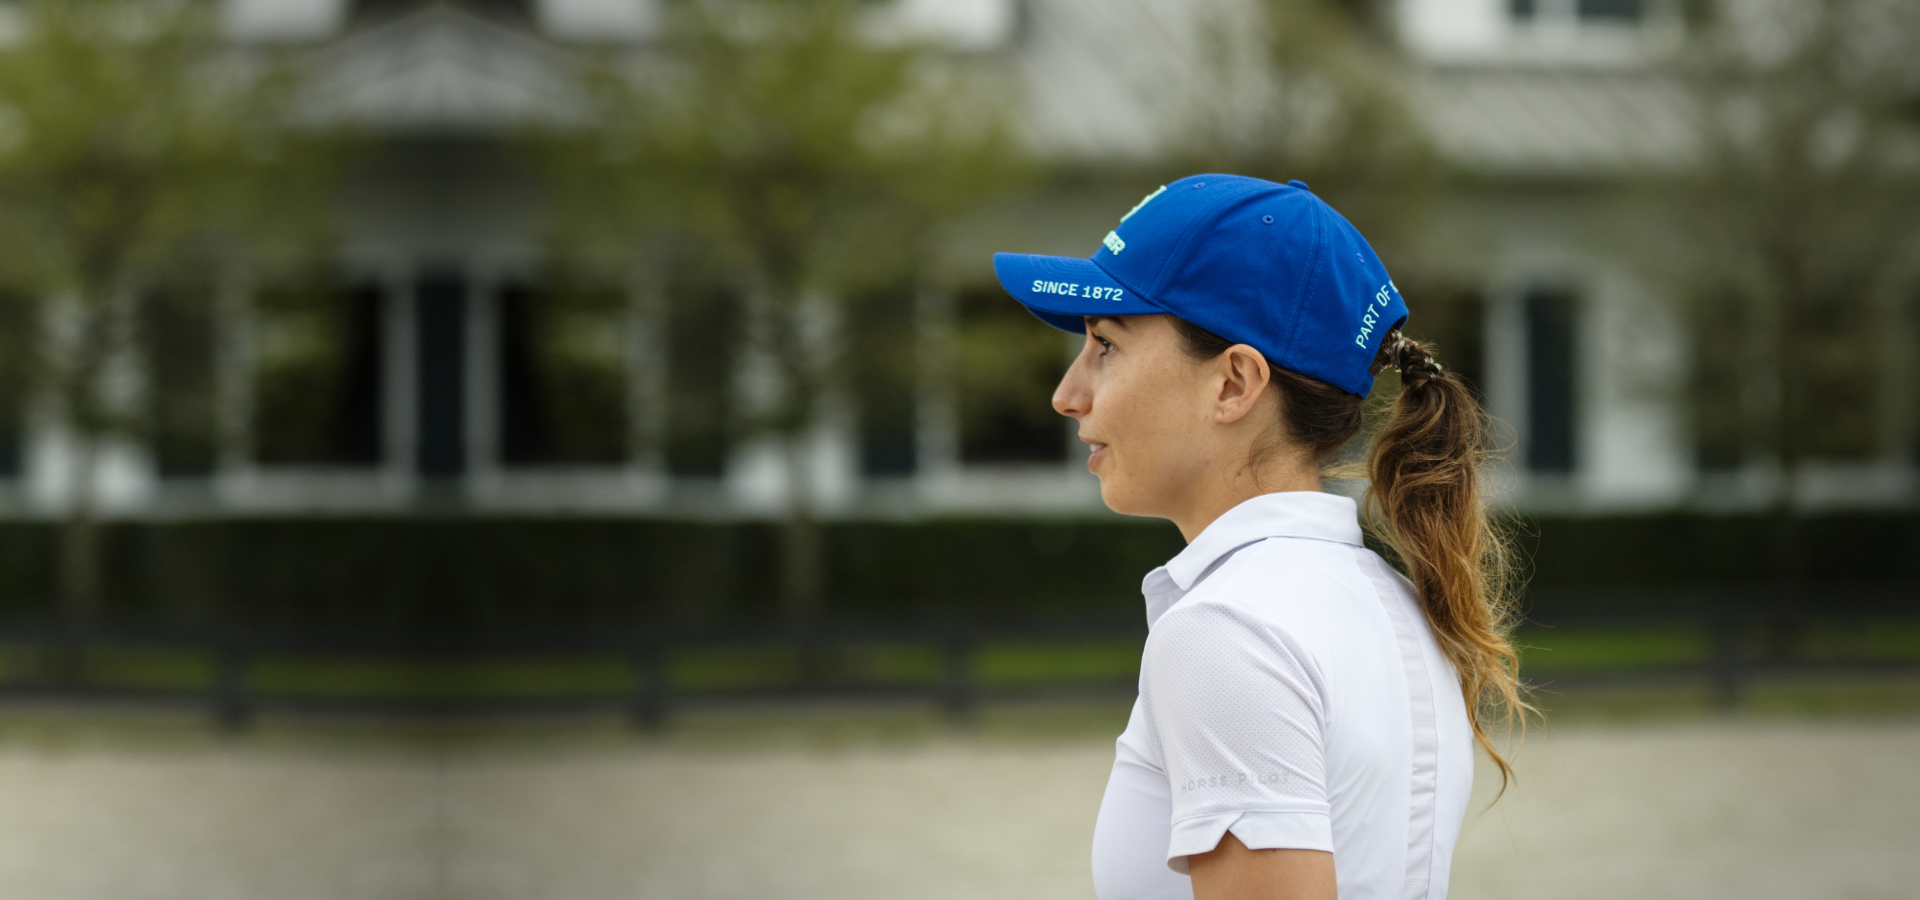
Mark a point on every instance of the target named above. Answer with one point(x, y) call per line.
point(1548, 654)
point(1036, 664)
point(1589, 649)
point(145, 668)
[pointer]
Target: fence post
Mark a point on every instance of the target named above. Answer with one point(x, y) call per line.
point(63, 658)
point(648, 704)
point(232, 707)
point(957, 694)
point(1726, 665)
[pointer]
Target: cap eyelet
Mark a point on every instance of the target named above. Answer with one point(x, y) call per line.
point(1199, 184)
point(1267, 219)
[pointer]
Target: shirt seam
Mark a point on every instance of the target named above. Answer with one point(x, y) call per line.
point(1327, 811)
point(1421, 784)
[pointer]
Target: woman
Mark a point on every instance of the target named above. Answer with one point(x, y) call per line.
point(1307, 715)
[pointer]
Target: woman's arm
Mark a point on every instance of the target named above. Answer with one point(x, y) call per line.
point(1232, 872)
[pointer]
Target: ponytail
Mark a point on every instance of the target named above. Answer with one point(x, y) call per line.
point(1425, 464)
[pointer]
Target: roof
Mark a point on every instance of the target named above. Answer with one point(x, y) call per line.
point(438, 70)
point(1541, 120)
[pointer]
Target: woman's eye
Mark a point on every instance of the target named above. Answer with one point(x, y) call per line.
point(1105, 345)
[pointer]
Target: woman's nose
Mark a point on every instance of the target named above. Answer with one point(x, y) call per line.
point(1072, 397)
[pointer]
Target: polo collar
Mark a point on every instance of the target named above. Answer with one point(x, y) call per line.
point(1316, 515)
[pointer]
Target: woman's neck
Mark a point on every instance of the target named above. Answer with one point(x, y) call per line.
point(1213, 497)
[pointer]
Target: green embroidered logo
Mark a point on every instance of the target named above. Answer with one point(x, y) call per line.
point(1143, 201)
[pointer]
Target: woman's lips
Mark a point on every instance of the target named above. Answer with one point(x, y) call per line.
point(1099, 450)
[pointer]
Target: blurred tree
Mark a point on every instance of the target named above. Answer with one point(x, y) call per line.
point(316, 372)
point(1802, 198)
point(804, 158)
point(1007, 371)
point(140, 163)
point(1312, 90)
point(564, 375)
point(1796, 213)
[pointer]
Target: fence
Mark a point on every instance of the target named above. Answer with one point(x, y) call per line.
point(651, 674)
point(633, 674)
point(648, 675)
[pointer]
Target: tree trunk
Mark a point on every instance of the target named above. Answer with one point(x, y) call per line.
point(1783, 634)
point(79, 569)
point(800, 571)
point(800, 568)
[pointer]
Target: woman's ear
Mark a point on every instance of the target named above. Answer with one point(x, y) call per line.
point(1244, 379)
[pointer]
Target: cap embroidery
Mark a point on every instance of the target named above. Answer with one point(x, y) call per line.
point(1143, 201)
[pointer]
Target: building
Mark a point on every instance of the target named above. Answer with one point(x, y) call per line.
point(444, 383)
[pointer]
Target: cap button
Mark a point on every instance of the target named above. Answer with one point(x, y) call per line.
point(1299, 184)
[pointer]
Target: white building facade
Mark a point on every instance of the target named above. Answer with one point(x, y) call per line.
point(436, 401)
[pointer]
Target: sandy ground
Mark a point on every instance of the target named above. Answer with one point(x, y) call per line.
point(1695, 810)
point(215, 825)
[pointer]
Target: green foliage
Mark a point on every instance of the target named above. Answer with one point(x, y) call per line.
point(132, 154)
point(139, 167)
point(131, 158)
point(1303, 89)
point(567, 367)
point(303, 337)
point(790, 157)
point(1794, 216)
point(799, 160)
point(1007, 365)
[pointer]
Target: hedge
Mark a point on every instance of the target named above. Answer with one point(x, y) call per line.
point(461, 576)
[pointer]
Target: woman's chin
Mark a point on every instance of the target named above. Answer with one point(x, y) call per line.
point(1117, 499)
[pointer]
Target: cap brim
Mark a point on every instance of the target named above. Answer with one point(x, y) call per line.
point(1063, 290)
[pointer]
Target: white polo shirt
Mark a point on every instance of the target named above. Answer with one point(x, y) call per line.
point(1292, 693)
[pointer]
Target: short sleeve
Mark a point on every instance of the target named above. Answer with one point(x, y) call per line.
point(1237, 715)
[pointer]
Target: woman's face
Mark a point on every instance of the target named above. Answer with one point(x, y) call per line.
point(1145, 410)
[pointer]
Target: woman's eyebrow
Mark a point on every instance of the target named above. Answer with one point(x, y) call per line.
point(1095, 321)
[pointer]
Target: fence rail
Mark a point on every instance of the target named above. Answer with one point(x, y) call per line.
point(231, 674)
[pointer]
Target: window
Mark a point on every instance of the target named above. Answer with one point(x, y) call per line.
point(1452, 321)
point(702, 343)
point(1830, 380)
point(11, 432)
point(178, 338)
point(1723, 426)
point(1584, 12)
point(318, 377)
point(562, 376)
point(882, 349)
point(366, 10)
point(1913, 395)
point(1624, 11)
point(440, 335)
point(16, 328)
point(1550, 381)
point(1009, 363)
point(1826, 372)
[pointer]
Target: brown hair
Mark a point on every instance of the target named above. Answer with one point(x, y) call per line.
point(1426, 463)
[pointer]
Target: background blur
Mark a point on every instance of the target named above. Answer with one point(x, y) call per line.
point(530, 399)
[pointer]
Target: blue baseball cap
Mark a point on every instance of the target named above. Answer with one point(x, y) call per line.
point(1258, 263)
